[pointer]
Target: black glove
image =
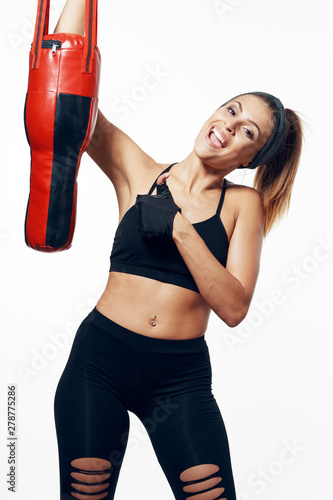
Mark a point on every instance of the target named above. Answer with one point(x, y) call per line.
point(155, 213)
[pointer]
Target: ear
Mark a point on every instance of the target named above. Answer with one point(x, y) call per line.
point(245, 163)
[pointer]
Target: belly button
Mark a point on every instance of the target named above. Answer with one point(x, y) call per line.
point(153, 322)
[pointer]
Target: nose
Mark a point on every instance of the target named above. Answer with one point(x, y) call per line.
point(229, 127)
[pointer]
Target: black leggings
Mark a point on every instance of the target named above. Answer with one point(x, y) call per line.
point(167, 384)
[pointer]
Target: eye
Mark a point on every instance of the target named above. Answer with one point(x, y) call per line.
point(249, 133)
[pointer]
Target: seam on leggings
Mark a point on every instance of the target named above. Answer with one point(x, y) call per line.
point(135, 383)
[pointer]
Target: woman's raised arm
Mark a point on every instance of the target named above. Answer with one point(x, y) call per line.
point(72, 18)
point(118, 156)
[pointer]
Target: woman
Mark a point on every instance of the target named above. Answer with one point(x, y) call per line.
point(192, 248)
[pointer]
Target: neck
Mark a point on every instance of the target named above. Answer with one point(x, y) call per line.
point(198, 176)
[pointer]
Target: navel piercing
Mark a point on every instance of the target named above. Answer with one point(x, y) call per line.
point(153, 322)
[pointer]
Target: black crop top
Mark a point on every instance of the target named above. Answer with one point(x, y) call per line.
point(159, 259)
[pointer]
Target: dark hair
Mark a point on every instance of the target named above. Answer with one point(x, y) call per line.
point(275, 140)
point(274, 179)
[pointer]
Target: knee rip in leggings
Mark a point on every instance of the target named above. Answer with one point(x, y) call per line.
point(202, 483)
point(91, 478)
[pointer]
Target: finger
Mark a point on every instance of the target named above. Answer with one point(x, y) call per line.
point(162, 189)
point(162, 178)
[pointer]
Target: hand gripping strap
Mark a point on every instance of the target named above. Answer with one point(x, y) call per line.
point(42, 29)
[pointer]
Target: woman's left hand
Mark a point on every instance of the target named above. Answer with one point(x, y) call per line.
point(155, 213)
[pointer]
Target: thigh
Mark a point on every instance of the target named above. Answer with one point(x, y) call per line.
point(190, 441)
point(91, 425)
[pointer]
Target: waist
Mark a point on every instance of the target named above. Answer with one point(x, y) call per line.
point(142, 341)
point(152, 308)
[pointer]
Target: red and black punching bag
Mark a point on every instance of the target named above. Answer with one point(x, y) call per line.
point(60, 116)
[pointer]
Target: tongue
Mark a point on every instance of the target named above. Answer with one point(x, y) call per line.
point(215, 140)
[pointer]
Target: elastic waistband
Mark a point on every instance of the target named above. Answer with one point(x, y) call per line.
point(142, 341)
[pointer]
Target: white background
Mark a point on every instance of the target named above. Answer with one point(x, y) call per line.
point(271, 374)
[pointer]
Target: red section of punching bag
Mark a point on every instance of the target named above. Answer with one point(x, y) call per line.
point(40, 126)
point(60, 117)
point(60, 70)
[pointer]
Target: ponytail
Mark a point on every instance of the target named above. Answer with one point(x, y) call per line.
point(274, 180)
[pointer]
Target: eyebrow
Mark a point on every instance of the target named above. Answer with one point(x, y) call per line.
point(251, 121)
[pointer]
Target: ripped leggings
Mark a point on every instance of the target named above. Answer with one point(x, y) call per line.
point(167, 385)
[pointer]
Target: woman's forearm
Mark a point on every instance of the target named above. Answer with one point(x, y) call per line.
point(223, 292)
point(72, 18)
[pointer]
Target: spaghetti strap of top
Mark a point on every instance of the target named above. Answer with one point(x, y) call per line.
point(222, 197)
point(219, 207)
point(164, 171)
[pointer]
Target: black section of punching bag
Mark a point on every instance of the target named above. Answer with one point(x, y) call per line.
point(25, 121)
point(70, 129)
point(27, 135)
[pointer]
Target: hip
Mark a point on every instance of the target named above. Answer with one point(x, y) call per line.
point(105, 356)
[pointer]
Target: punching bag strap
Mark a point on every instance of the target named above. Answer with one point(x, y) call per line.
point(90, 36)
point(42, 27)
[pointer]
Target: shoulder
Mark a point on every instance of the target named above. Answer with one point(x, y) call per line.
point(243, 197)
point(246, 205)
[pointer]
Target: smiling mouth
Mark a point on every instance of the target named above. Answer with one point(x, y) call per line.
point(216, 138)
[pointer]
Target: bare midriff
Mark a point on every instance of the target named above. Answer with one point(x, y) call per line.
point(153, 308)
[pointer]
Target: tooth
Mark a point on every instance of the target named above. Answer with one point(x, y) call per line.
point(218, 135)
